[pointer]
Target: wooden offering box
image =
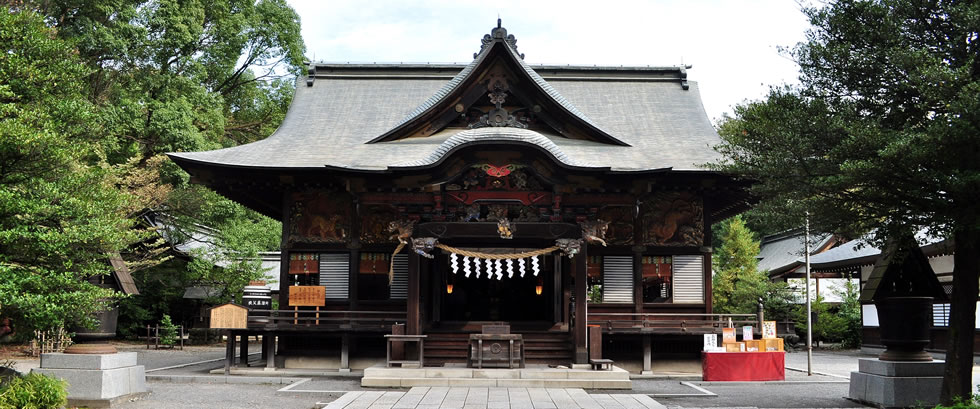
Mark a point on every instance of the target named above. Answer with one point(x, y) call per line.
point(773, 344)
point(734, 347)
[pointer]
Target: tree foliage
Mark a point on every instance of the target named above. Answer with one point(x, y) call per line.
point(882, 136)
point(737, 285)
point(91, 95)
point(59, 215)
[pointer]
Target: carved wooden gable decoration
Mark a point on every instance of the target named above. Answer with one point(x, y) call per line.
point(498, 90)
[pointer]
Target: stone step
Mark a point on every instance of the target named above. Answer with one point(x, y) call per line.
point(404, 382)
point(541, 377)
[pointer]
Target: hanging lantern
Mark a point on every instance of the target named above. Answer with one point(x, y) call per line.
point(449, 288)
point(538, 289)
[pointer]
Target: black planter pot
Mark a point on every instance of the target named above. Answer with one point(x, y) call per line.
point(904, 324)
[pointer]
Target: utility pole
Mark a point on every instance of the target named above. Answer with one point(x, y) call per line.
point(809, 316)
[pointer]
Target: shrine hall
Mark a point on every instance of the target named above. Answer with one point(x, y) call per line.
point(427, 208)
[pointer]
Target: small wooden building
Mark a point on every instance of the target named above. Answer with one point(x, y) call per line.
point(446, 197)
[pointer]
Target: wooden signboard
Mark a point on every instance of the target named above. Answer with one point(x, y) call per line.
point(307, 295)
point(768, 329)
point(229, 316)
point(727, 335)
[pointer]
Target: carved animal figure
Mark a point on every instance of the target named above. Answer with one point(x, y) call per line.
point(404, 229)
point(595, 231)
point(423, 245)
point(472, 213)
point(497, 212)
point(326, 228)
point(569, 247)
point(504, 228)
point(678, 214)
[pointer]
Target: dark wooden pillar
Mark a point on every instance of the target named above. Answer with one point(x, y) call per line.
point(230, 352)
point(355, 263)
point(580, 272)
point(414, 294)
point(243, 353)
point(284, 255)
point(638, 279)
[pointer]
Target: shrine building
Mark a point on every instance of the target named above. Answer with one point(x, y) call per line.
point(450, 198)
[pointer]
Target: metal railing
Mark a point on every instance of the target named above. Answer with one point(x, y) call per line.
point(669, 322)
point(324, 319)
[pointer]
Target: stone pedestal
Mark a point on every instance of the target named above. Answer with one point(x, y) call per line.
point(896, 384)
point(96, 380)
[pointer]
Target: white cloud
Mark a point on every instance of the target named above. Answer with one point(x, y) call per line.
point(731, 43)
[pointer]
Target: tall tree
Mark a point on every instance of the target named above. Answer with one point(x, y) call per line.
point(882, 136)
point(60, 212)
point(166, 75)
point(737, 284)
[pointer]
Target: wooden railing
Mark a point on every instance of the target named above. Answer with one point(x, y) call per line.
point(679, 323)
point(324, 319)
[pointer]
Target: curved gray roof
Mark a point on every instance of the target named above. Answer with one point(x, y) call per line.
point(491, 135)
point(342, 107)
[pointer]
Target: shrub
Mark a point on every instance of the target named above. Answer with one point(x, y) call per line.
point(168, 331)
point(34, 391)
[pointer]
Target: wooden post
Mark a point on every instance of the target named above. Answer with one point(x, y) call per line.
point(270, 356)
point(638, 279)
point(345, 353)
point(580, 272)
point(243, 353)
point(229, 352)
point(412, 313)
point(647, 353)
point(595, 342)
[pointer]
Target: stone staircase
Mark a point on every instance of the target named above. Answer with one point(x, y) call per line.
point(534, 376)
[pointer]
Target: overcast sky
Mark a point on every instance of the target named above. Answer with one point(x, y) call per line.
point(732, 44)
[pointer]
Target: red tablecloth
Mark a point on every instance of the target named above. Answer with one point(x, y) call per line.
point(743, 366)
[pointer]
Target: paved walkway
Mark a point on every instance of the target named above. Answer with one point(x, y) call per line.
point(491, 398)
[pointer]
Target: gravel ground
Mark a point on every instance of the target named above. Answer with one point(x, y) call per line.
point(769, 395)
point(221, 396)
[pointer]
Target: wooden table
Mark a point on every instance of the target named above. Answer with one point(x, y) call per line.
point(743, 366)
point(515, 350)
point(419, 339)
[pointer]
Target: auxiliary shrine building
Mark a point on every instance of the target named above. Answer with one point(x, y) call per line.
point(450, 197)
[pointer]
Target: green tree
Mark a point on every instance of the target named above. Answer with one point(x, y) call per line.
point(737, 285)
point(162, 76)
point(882, 136)
point(60, 213)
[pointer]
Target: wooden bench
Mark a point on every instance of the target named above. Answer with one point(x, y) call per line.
point(601, 364)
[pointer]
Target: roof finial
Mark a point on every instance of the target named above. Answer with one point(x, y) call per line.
point(498, 20)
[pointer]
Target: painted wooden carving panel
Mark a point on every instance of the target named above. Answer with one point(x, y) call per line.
point(374, 223)
point(672, 219)
point(320, 217)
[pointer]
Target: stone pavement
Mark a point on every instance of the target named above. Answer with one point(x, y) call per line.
point(491, 398)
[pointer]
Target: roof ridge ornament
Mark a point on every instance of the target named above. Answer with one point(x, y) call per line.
point(498, 33)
